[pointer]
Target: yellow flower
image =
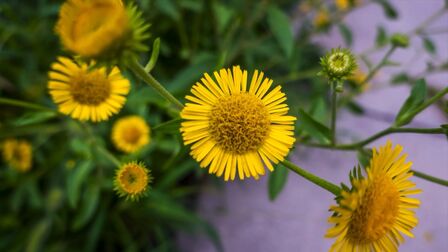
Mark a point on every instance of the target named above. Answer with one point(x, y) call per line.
point(130, 134)
point(101, 29)
point(373, 214)
point(344, 5)
point(87, 94)
point(18, 154)
point(235, 127)
point(322, 19)
point(131, 180)
point(358, 80)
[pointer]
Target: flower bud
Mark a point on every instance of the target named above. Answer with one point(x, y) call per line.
point(400, 40)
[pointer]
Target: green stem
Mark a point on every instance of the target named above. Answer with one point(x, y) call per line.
point(23, 104)
point(41, 129)
point(334, 189)
point(430, 178)
point(333, 113)
point(378, 66)
point(109, 155)
point(161, 125)
point(150, 80)
point(391, 130)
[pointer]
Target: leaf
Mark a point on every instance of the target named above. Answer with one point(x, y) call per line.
point(281, 29)
point(346, 34)
point(38, 235)
point(75, 180)
point(313, 127)
point(400, 78)
point(168, 8)
point(319, 110)
point(34, 117)
point(223, 16)
point(388, 9)
point(381, 37)
point(415, 99)
point(429, 46)
point(364, 156)
point(277, 181)
point(355, 107)
point(89, 205)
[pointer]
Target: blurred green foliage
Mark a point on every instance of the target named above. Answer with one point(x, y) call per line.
point(66, 202)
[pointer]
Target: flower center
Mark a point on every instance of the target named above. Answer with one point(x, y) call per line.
point(133, 179)
point(376, 213)
point(93, 19)
point(239, 123)
point(339, 61)
point(132, 135)
point(90, 88)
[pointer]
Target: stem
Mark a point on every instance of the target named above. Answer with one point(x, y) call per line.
point(378, 66)
point(109, 155)
point(374, 137)
point(334, 189)
point(430, 178)
point(161, 125)
point(150, 80)
point(333, 113)
point(24, 104)
point(428, 21)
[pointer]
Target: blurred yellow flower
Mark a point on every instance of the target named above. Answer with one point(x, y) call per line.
point(84, 93)
point(372, 215)
point(235, 127)
point(131, 180)
point(344, 5)
point(18, 154)
point(130, 134)
point(101, 29)
point(322, 19)
point(357, 79)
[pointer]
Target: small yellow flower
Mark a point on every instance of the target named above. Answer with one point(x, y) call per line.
point(235, 127)
point(358, 80)
point(344, 5)
point(131, 180)
point(18, 154)
point(130, 134)
point(101, 29)
point(87, 94)
point(372, 215)
point(322, 19)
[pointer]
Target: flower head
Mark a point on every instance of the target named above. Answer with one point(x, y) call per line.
point(235, 127)
point(344, 5)
point(131, 181)
point(338, 64)
point(84, 93)
point(18, 154)
point(104, 30)
point(130, 134)
point(372, 214)
point(357, 81)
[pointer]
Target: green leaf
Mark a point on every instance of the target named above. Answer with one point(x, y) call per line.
point(88, 207)
point(429, 46)
point(313, 127)
point(319, 110)
point(281, 29)
point(355, 107)
point(75, 180)
point(38, 235)
point(389, 10)
point(168, 8)
point(415, 99)
point(346, 34)
point(34, 117)
point(381, 37)
point(364, 156)
point(223, 16)
point(277, 181)
point(154, 55)
point(400, 78)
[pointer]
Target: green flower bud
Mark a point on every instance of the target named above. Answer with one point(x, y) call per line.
point(338, 64)
point(400, 40)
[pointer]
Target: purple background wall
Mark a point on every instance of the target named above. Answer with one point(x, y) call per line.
point(296, 221)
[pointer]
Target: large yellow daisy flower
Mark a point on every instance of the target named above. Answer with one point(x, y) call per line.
point(130, 134)
point(101, 28)
point(87, 94)
point(373, 214)
point(235, 127)
point(18, 154)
